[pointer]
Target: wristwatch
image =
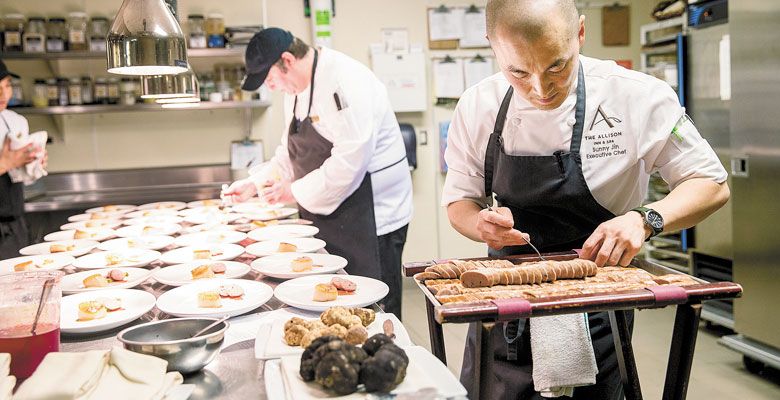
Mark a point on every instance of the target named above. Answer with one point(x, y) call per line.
point(652, 219)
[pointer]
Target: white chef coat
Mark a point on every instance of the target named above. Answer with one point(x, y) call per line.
point(365, 136)
point(17, 124)
point(627, 136)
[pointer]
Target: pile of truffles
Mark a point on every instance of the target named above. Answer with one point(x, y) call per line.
point(348, 324)
point(340, 367)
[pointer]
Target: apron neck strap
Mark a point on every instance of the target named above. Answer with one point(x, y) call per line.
point(579, 113)
point(311, 88)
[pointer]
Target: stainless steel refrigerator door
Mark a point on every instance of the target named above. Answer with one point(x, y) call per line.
point(710, 114)
point(755, 141)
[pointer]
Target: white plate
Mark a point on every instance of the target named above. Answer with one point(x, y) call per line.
point(305, 245)
point(424, 370)
point(188, 212)
point(40, 262)
point(163, 205)
point(83, 246)
point(279, 232)
point(98, 234)
point(255, 207)
point(135, 303)
point(97, 223)
point(151, 242)
point(214, 217)
point(186, 254)
point(208, 227)
point(205, 203)
point(74, 283)
point(298, 292)
point(177, 275)
point(145, 230)
point(270, 342)
point(95, 216)
point(151, 213)
point(205, 238)
point(128, 258)
point(268, 215)
point(278, 265)
point(183, 300)
point(112, 208)
point(154, 220)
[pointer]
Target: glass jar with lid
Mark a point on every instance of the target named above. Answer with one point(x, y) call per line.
point(34, 38)
point(56, 35)
point(98, 31)
point(215, 31)
point(62, 91)
point(113, 90)
point(75, 97)
point(12, 32)
point(101, 91)
point(52, 92)
point(17, 95)
point(39, 97)
point(87, 90)
point(197, 31)
point(77, 31)
point(127, 91)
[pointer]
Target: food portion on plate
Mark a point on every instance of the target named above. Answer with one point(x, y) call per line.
point(71, 247)
point(331, 291)
point(213, 298)
point(206, 271)
point(111, 208)
point(61, 248)
point(98, 223)
point(151, 242)
point(340, 367)
point(348, 324)
point(98, 308)
point(163, 205)
point(113, 276)
point(30, 265)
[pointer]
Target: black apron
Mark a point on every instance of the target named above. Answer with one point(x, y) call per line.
point(350, 230)
point(13, 230)
point(551, 201)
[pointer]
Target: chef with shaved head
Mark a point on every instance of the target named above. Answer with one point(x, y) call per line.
point(567, 144)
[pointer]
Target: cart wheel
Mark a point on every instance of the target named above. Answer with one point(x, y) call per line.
point(754, 366)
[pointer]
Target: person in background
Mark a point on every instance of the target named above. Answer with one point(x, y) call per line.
point(341, 158)
point(567, 143)
point(13, 228)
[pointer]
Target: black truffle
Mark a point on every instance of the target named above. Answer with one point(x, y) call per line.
point(308, 361)
point(373, 343)
point(337, 373)
point(383, 372)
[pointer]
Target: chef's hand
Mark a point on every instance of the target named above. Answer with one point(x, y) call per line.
point(496, 229)
point(10, 159)
point(278, 192)
point(239, 191)
point(45, 159)
point(617, 241)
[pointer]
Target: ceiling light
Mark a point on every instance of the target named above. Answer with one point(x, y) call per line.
point(145, 39)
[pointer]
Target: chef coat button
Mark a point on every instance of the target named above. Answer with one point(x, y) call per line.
point(516, 121)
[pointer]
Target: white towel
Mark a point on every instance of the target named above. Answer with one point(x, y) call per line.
point(7, 382)
point(29, 173)
point(5, 364)
point(562, 354)
point(116, 374)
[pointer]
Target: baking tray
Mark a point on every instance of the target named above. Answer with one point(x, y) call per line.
point(487, 310)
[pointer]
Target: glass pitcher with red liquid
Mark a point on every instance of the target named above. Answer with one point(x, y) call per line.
point(20, 294)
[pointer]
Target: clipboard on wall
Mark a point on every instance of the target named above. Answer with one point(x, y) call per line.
point(245, 154)
point(445, 27)
point(616, 25)
point(474, 28)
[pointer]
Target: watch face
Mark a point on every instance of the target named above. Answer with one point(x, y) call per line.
point(655, 220)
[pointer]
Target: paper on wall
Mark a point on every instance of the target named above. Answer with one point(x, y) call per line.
point(448, 78)
point(725, 67)
point(476, 70)
point(445, 24)
point(474, 29)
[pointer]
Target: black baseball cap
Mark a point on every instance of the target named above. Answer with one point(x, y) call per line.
point(263, 51)
point(5, 72)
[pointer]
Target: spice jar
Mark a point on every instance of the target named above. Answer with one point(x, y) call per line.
point(34, 38)
point(98, 31)
point(206, 87)
point(74, 92)
point(197, 31)
point(39, 97)
point(215, 30)
point(113, 90)
point(127, 92)
point(101, 91)
point(12, 34)
point(87, 96)
point(77, 31)
point(52, 92)
point(62, 91)
point(56, 35)
point(17, 97)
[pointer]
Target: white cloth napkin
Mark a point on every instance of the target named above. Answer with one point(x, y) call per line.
point(33, 171)
point(99, 374)
point(7, 382)
point(562, 354)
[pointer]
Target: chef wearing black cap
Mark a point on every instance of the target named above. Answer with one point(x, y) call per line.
point(342, 157)
point(13, 230)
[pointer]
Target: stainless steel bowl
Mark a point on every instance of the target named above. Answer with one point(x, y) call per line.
point(170, 340)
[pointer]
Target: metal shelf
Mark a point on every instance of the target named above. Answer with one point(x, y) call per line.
point(717, 316)
point(83, 55)
point(753, 349)
point(109, 108)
